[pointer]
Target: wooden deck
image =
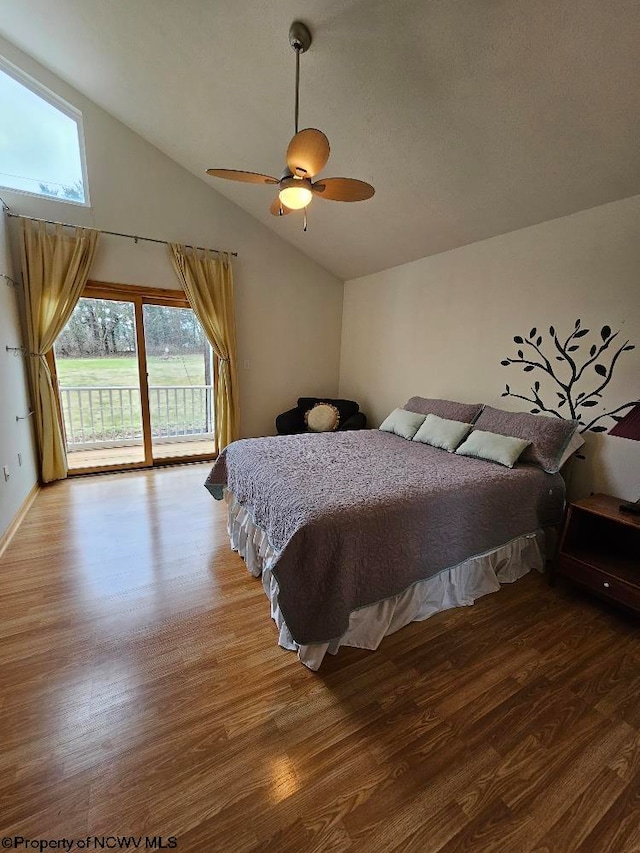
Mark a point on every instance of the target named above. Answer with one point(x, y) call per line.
point(142, 692)
point(80, 459)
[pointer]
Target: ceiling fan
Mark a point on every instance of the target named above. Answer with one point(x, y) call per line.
point(307, 155)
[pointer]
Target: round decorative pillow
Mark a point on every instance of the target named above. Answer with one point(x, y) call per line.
point(323, 417)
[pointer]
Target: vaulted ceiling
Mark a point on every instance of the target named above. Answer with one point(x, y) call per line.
point(470, 117)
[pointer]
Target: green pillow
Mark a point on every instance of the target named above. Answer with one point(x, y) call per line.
point(494, 447)
point(402, 423)
point(441, 432)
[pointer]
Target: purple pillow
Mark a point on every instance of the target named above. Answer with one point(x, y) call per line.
point(549, 436)
point(465, 412)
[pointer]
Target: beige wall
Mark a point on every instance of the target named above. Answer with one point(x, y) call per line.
point(288, 308)
point(15, 436)
point(440, 326)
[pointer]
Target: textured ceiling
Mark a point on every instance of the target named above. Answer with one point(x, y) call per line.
point(471, 118)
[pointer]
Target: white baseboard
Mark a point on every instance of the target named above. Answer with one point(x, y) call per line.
point(9, 533)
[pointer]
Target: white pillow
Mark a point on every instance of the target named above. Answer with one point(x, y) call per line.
point(495, 448)
point(441, 432)
point(402, 423)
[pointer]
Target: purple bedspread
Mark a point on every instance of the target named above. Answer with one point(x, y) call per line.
point(360, 516)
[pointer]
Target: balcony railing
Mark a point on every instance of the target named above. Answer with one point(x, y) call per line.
point(112, 416)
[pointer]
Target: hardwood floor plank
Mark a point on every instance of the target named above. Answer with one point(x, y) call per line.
point(485, 832)
point(618, 830)
point(435, 829)
point(575, 824)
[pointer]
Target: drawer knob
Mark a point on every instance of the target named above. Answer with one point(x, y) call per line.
point(606, 585)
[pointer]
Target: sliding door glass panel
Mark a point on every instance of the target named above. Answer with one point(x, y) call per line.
point(179, 370)
point(97, 366)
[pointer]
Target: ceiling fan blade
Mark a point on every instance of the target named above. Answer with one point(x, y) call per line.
point(245, 177)
point(278, 209)
point(342, 189)
point(308, 153)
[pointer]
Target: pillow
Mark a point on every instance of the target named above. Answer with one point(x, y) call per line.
point(346, 408)
point(493, 447)
point(402, 423)
point(464, 412)
point(323, 417)
point(440, 432)
point(548, 436)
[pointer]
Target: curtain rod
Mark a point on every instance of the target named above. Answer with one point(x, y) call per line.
point(111, 233)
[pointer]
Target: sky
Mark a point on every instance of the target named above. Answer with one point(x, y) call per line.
point(38, 143)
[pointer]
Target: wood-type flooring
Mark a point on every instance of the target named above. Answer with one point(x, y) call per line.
point(143, 693)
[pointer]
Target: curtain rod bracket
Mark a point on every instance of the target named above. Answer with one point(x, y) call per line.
point(10, 281)
point(16, 350)
point(24, 417)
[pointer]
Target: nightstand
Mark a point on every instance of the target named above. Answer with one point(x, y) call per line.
point(600, 550)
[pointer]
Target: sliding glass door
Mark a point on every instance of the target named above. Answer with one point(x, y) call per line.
point(97, 364)
point(135, 380)
point(179, 371)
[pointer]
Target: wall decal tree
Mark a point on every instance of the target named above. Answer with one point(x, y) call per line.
point(573, 374)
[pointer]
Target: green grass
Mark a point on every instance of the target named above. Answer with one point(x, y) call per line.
point(181, 411)
point(104, 372)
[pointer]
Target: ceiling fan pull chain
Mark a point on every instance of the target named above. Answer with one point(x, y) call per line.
point(304, 226)
point(297, 85)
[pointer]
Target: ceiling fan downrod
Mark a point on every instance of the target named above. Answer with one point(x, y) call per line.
point(300, 40)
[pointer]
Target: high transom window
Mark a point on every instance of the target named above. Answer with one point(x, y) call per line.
point(41, 140)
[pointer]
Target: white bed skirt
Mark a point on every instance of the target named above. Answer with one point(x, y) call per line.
point(457, 586)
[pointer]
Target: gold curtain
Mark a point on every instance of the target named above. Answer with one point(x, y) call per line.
point(55, 267)
point(207, 280)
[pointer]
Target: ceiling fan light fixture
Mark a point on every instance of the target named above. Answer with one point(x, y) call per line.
point(295, 193)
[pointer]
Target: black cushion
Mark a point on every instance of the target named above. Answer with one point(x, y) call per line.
point(292, 421)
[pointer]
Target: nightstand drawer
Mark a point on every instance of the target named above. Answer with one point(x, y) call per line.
point(599, 581)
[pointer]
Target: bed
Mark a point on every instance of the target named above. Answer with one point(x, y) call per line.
point(355, 534)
